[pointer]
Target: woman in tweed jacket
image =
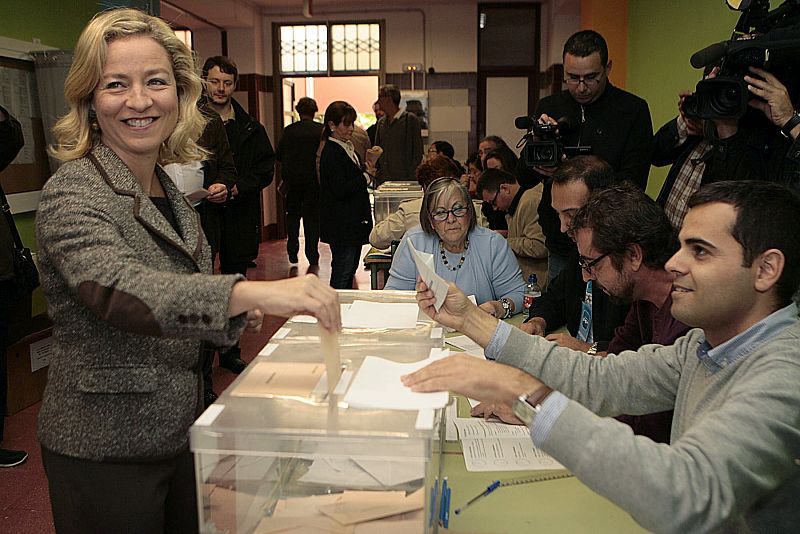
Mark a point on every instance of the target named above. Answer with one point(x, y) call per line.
point(127, 275)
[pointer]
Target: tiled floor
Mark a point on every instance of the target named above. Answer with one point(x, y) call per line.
point(24, 499)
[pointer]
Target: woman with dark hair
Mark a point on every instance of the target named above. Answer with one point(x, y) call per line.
point(345, 213)
point(475, 258)
point(501, 158)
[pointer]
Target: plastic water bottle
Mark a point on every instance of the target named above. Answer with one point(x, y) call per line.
point(532, 292)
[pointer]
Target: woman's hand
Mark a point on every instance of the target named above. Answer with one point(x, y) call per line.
point(284, 298)
point(500, 411)
point(493, 308)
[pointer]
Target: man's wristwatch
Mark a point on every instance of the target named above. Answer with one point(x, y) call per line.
point(787, 128)
point(528, 406)
point(506, 307)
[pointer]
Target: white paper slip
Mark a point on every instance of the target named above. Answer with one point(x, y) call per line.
point(505, 454)
point(377, 385)
point(450, 430)
point(467, 345)
point(366, 314)
point(476, 427)
point(427, 272)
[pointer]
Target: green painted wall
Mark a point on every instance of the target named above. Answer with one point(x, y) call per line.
point(662, 35)
point(54, 23)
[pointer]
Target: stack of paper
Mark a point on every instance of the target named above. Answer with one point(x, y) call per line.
point(491, 446)
point(367, 314)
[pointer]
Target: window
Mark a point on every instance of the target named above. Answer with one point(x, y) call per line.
point(330, 49)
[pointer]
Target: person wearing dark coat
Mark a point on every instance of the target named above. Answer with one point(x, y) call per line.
point(255, 168)
point(11, 142)
point(345, 214)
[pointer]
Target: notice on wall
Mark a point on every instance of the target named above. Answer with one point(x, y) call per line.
point(40, 353)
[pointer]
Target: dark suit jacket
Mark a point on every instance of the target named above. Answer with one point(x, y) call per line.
point(131, 299)
point(345, 214)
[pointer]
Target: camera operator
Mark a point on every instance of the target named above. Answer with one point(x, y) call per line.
point(614, 123)
point(762, 145)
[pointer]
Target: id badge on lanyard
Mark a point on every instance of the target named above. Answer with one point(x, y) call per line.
point(585, 332)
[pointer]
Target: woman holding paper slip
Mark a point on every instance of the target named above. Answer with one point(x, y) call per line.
point(126, 272)
point(475, 258)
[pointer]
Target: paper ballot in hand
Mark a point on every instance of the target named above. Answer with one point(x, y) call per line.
point(435, 283)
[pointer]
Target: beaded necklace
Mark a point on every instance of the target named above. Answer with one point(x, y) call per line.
point(444, 257)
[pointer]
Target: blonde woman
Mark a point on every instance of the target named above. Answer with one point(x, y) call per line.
point(126, 272)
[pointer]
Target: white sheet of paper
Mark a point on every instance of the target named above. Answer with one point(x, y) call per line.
point(338, 471)
point(392, 473)
point(450, 430)
point(377, 385)
point(467, 345)
point(436, 283)
point(505, 454)
point(366, 314)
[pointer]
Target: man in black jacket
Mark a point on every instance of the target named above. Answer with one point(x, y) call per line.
point(255, 160)
point(614, 123)
point(296, 169)
point(11, 142)
point(586, 311)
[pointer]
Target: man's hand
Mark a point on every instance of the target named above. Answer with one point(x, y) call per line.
point(501, 411)
point(217, 193)
point(777, 105)
point(694, 127)
point(566, 340)
point(537, 326)
point(254, 320)
point(483, 380)
point(458, 312)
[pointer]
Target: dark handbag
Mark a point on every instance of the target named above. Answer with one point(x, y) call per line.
point(26, 275)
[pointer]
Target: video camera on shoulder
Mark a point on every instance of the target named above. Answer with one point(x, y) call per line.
point(762, 38)
point(543, 145)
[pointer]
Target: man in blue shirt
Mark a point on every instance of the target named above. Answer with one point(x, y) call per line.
point(732, 463)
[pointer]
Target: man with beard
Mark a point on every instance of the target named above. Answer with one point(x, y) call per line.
point(624, 239)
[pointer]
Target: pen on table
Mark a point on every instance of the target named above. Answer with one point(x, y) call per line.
point(442, 501)
point(489, 489)
point(447, 508)
point(433, 500)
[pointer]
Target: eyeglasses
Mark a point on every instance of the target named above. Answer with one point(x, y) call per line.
point(443, 215)
point(588, 265)
point(590, 80)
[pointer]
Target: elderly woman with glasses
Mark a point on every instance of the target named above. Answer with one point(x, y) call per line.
point(475, 258)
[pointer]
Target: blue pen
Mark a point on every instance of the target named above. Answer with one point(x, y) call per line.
point(490, 488)
point(447, 509)
point(442, 501)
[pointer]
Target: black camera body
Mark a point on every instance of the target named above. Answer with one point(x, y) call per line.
point(543, 146)
point(762, 38)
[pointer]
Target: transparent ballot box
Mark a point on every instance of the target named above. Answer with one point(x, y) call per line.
point(278, 453)
point(389, 195)
point(381, 326)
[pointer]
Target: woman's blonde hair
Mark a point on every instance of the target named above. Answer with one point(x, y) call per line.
point(74, 134)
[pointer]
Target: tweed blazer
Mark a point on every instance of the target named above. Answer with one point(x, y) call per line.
point(131, 301)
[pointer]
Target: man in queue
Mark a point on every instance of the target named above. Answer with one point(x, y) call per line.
point(732, 463)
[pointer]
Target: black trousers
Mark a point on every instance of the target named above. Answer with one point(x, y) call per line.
point(344, 263)
point(138, 498)
point(5, 307)
point(302, 201)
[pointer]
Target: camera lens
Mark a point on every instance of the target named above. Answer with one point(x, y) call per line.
point(543, 153)
point(726, 100)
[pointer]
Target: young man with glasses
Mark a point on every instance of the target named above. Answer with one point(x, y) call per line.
point(614, 123)
point(524, 235)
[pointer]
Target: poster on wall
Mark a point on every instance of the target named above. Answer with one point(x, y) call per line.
point(416, 102)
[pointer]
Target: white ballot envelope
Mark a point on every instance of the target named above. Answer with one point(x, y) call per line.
point(435, 283)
